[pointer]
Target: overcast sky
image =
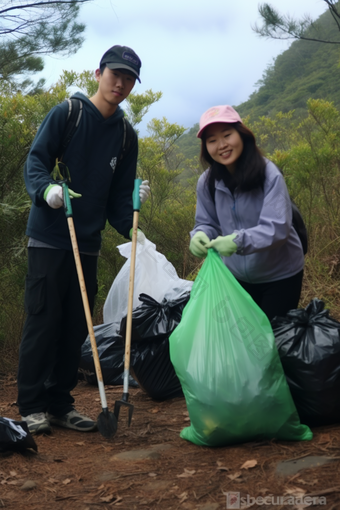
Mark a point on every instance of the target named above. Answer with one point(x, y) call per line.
point(198, 53)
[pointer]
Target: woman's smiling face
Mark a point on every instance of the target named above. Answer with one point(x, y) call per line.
point(224, 144)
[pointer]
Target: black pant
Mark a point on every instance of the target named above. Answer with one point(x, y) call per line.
point(54, 330)
point(276, 298)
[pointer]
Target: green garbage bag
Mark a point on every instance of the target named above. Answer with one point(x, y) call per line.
point(225, 357)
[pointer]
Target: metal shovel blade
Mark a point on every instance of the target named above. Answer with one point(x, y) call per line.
point(119, 404)
point(107, 423)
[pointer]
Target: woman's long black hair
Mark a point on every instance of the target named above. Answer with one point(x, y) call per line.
point(250, 166)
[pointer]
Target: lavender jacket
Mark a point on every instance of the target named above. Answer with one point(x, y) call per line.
point(269, 248)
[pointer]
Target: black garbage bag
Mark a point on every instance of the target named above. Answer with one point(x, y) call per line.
point(308, 341)
point(111, 349)
point(152, 325)
point(152, 319)
point(15, 436)
point(153, 370)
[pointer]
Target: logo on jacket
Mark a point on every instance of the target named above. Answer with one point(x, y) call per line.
point(113, 164)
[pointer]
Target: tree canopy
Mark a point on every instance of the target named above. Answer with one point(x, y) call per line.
point(30, 30)
point(278, 26)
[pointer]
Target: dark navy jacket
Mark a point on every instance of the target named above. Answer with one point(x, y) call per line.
point(90, 157)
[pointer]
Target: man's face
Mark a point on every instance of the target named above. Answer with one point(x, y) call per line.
point(114, 85)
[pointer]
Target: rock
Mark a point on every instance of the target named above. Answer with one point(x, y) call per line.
point(145, 454)
point(28, 485)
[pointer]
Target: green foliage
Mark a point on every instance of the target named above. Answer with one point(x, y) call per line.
point(188, 144)
point(20, 117)
point(308, 152)
point(306, 70)
point(31, 30)
point(277, 26)
point(84, 81)
point(139, 105)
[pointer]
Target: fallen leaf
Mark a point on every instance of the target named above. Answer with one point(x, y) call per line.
point(13, 473)
point(53, 480)
point(249, 464)
point(81, 443)
point(152, 474)
point(235, 475)
point(263, 491)
point(66, 481)
point(221, 467)
point(186, 413)
point(296, 491)
point(97, 399)
point(182, 497)
point(187, 419)
point(154, 410)
point(108, 498)
point(187, 473)
point(313, 482)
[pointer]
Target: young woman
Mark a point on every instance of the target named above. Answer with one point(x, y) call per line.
point(244, 212)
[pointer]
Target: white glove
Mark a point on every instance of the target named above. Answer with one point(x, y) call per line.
point(55, 198)
point(144, 191)
point(140, 236)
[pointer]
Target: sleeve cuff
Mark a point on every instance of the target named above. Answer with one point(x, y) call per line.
point(238, 240)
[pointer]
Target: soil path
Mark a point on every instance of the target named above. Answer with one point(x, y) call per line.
point(149, 466)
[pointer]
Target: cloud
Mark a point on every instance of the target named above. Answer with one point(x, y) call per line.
point(198, 53)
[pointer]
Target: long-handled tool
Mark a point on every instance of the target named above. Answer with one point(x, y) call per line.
point(125, 397)
point(106, 421)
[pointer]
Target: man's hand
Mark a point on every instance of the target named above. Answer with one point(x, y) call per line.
point(140, 236)
point(198, 244)
point(224, 245)
point(144, 191)
point(54, 195)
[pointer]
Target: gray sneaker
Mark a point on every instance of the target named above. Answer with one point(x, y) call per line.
point(37, 423)
point(73, 420)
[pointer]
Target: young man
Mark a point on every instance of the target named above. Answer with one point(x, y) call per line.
point(56, 327)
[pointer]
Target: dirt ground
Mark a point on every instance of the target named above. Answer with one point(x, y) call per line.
point(149, 466)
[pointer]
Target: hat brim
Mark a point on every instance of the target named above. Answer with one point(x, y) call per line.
point(216, 121)
point(123, 66)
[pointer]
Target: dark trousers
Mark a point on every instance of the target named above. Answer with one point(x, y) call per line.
point(276, 298)
point(54, 330)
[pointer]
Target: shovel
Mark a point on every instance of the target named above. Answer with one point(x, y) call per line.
point(125, 397)
point(106, 421)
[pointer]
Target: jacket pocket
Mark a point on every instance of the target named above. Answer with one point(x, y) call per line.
point(35, 290)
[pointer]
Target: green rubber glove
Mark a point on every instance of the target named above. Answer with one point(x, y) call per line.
point(198, 244)
point(224, 245)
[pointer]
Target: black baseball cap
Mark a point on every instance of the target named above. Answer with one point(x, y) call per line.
point(122, 57)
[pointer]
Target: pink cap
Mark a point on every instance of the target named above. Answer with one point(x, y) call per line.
point(215, 114)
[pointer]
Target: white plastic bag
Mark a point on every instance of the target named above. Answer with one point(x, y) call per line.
point(154, 275)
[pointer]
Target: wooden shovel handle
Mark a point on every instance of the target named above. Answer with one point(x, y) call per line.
point(85, 301)
point(130, 296)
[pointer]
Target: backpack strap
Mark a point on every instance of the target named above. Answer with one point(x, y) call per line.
point(128, 135)
point(75, 110)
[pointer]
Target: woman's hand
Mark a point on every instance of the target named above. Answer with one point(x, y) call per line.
point(198, 244)
point(224, 245)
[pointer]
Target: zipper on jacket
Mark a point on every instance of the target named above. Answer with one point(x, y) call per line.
point(238, 223)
